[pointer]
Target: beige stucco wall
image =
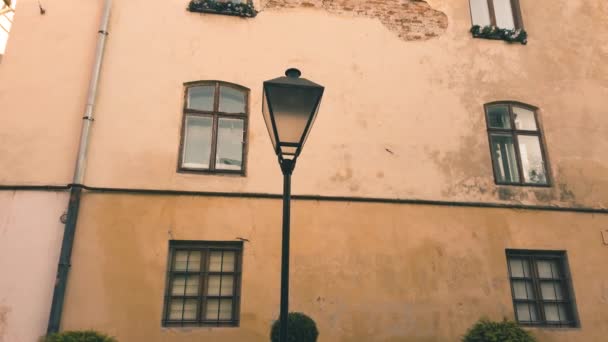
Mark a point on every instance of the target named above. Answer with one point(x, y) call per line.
point(364, 272)
point(421, 100)
point(30, 236)
point(43, 80)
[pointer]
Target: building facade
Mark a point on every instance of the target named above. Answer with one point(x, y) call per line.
point(457, 169)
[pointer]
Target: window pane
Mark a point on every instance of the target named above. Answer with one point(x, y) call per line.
point(175, 309)
point(548, 269)
point(519, 267)
point(498, 117)
point(185, 286)
point(556, 313)
point(524, 119)
point(197, 142)
point(551, 290)
point(231, 100)
point(480, 12)
point(211, 311)
point(226, 309)
point(219, 309)
point(213, 286)
point(190, 309)
point(228, 262)
point(504, 14)
point(532, 162)
point(504, 158)
point(201, 97)
point(194, 261)
point(181, 260)
point(215, 261)
point(523, 289)
point(526, 312)
point(229, 144)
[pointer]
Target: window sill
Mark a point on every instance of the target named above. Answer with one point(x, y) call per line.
point(245, 10)
point(185, 170)
point(534, 185)
point(495, 33)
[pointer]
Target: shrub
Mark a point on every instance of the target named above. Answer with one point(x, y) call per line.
point(505, 331)
point(300, 328)
point(78, 336)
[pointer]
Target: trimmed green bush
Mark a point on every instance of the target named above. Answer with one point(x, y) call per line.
point(78, 336)
point(300, 328)
point(487, 331)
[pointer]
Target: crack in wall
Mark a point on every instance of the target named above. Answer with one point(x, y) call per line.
point(409, 19)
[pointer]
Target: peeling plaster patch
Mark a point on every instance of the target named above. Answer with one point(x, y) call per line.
point(565, 194)
point(409, 19)
point(505, 194)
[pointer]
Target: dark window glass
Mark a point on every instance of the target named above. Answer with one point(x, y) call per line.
point(214, 129)
point(203, 284)
point(515, 144)
point(540, 288)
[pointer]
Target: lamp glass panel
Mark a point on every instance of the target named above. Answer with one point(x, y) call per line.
point(268, 120)
point(292, 109)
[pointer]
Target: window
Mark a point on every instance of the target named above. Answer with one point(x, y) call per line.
point(515, 144)
point(203, 284)
point(541, 288)
point(7, 12)
point(214, 128)
point(504, 14)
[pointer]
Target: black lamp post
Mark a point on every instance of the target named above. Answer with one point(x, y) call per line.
point(290, 107)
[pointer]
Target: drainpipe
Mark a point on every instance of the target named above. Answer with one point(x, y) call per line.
point(76, 190)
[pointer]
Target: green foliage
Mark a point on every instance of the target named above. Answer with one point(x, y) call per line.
point(300, 328)
point(78, 336)
point(505, 331)
point(493, 32)
point(244, 9)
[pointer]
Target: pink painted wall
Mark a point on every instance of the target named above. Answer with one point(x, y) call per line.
point(30, 237)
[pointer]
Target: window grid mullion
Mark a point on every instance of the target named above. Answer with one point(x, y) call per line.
point(201, 286)
point(537, 288)
point(219, 301)
point(235, 281)
point(170, 284)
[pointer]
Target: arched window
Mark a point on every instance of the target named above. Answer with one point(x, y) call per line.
point(518, 156)
point(214, 129)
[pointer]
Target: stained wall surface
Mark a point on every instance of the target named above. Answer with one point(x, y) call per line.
point(402, 115)
point(30, 236)
point(364, 272)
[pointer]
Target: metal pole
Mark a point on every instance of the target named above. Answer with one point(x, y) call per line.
point(287, 168)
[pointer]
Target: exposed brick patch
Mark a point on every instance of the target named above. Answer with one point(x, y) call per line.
point(409, 19)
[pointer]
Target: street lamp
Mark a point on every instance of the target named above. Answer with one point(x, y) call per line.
point(290, 105)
